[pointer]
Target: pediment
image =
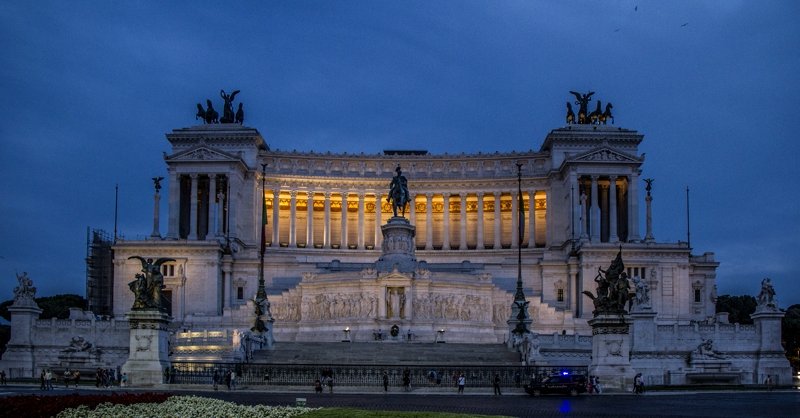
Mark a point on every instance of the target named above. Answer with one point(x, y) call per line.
point(395, 276)
point(203, 153)
point(604, 154)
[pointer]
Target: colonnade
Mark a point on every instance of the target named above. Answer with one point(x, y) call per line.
point(198, 206)
point(473, 220)
point(607, 209)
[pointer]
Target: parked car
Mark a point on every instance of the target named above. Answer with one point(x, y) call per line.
point(568, 384)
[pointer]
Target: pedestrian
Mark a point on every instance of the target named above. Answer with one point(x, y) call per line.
point(2, 377)
point(43, 385)
point(48, 378)
point(638, 384)
point(597, 388)
point(517, 379)
point(768, 382)
point(77, 377)
point(385, 382)
point(233, 379)
point(329, 382)
point(228, 379)
point(123, 381)
point(497, 384)
point(407, 379)
point(215, 378)
point(462, 381)
point(317, 386)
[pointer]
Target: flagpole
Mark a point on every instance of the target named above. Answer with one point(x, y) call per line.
point(261, 294)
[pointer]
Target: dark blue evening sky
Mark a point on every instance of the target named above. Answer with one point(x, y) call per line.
point(90, 89)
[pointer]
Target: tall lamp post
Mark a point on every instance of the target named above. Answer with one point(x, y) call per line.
point(519, 308)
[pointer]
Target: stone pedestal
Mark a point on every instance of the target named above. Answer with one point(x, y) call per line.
point(148, 356)
point(19, 351)
point(611, 344)
point(772, 361)
point(398, 246)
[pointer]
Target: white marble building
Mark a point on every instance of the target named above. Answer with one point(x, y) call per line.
point(582, 200)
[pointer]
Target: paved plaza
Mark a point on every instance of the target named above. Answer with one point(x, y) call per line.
point(779, 403)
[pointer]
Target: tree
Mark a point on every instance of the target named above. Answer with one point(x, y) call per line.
point(739, 308)
point(52, 306)
point(790, 332)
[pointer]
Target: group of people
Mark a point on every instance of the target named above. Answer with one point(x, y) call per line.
point(106, 377)
point(326, 377)
point(228, 377)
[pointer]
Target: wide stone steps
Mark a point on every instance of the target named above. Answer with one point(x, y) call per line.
point(396, 353)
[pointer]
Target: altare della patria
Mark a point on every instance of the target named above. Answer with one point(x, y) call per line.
point(284, 263)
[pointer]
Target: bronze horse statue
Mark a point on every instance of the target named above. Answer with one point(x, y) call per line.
point(211, 115)
point(607, 115)
point(398, 192)
point(594, 117)
point(570, 114)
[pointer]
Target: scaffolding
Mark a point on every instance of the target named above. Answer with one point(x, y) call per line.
point(99, 271)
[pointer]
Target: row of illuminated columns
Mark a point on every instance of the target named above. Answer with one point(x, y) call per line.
point(473, 221)
point(607, 208)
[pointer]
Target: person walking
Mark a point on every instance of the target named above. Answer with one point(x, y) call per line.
point(638, 384)
point(48, 378)
point(215, 378)
point(497, 384)
point(385, 382)
point(233, 379)
point(462, 381)
point(329, 381)
point(43, 385)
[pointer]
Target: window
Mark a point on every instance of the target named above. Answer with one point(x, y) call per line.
point(560, 295)
point(240, 293)
point(168, 270)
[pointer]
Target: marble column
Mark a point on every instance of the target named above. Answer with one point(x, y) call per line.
point(480, 244)
point(612, 208)
point(212, 207)
point(548, 198)
point(428, 221)
point(604, 231)
point(293, 218)
point(648, 201)
point(446, 222)
point(633, 207)
point(595, 212)
point(462, 245)
point(515, 220)
point(378, 220)
point(218, 213)
point(233, 208)
point(343, 244)
point(326, 234)
point(361, 220)
point(174, 204)
point(310, 219)
point(193, 206)
point(497, 228)
point(156, 206)
point(584, 217)
point(532, 219)
point(276, 210)
point(575, 199)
